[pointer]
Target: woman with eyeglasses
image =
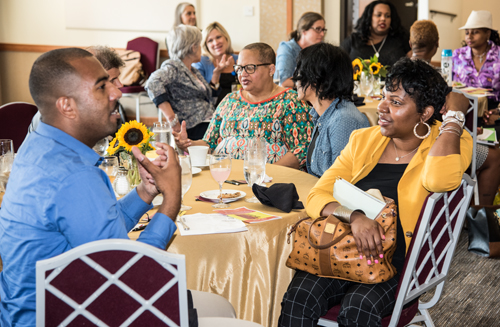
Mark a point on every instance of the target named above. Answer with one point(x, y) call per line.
point(378, 33)
point(310, 30)
point(260, 109)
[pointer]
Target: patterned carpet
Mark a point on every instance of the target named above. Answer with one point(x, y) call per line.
point(471, 296)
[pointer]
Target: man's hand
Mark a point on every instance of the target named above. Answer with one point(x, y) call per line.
point(162, 175)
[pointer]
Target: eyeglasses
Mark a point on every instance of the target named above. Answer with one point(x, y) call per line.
point(250, 69)
point(319, 29)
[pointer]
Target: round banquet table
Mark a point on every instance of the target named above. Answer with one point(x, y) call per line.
point(247, 268)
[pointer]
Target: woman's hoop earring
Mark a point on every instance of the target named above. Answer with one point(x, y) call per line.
point(426, 135)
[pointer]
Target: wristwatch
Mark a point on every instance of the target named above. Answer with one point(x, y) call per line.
point(214, 86)
point(458, 115)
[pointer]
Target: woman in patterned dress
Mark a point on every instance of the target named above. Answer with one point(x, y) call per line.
point(259, 109)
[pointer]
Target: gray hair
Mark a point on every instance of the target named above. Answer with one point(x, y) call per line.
point(181, 41)
point(108, 58)
point(178, 12)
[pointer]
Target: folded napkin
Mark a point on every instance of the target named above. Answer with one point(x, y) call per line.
point(358, 101)
point(283, 196)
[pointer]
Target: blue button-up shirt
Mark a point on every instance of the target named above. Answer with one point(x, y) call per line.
point(286, 59)
point(57, 199)
point(334, 126)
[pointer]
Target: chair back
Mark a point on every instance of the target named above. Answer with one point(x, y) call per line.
point(112, 283)
point(432, 247)
point(429, 255)
point(150, 53)
point(15, 119)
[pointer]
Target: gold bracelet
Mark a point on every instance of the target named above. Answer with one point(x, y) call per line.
point(343, 214)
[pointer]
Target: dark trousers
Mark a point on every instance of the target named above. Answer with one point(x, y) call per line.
point(309, 297)
point(197, 132)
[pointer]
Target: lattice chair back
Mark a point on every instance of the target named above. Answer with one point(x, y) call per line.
point(112, 283)
point(428, 258)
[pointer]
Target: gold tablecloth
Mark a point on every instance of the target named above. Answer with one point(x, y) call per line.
point(246, 268)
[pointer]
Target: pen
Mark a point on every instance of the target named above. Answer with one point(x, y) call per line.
point(232, 182)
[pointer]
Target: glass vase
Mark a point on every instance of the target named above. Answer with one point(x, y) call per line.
point(133, 173)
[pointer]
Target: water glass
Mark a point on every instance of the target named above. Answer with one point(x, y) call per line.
point(162, 133)
point(110, 167)
point(6, 158)
point(254, 167)
point(186, 179)
point(366, 85)
point(276, 77)
point(220, 168)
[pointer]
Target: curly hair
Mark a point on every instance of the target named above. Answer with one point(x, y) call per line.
point(424, 35)
point(327, 69)
point(364, 24)
point(421, 82)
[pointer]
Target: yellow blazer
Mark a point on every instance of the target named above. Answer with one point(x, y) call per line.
point(423, 175)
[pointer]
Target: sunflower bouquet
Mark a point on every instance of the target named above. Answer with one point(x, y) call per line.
point(371, 66)
point(129, 135)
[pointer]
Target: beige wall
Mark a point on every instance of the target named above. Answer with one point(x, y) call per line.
point(273, 22)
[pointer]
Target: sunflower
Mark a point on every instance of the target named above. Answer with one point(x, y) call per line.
point(113, 147)
point(132, 134)
point(375, 68)
point(357, 67)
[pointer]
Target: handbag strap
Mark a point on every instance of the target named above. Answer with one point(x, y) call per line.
point(293, 228)
point(329, 244)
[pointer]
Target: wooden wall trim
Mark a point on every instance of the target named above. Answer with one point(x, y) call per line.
point(289, 16)
point(17, 47)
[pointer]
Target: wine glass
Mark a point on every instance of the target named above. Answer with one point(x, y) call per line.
point(366, 85)
point(254, 167)
point(162, 133)
point(276, 77)
point(220, 168)
point(101, 146)
point(110, 167)
point(186, 179)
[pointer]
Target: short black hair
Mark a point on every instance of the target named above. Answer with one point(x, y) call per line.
point(421, 82)
point(326, 68)
point(364, 24)
point(266, 52)
point(51, 72)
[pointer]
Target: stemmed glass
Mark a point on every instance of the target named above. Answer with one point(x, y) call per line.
point(110, 166)
point(366, 85)
point(254, 167)
point(220, 168)
point(6, 161)
point(186, 179)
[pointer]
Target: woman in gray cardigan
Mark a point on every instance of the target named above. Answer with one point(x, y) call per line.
point(178, 89)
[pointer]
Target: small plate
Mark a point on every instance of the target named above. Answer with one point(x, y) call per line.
point(195, 170)
point(158, 200)
point(213, 195)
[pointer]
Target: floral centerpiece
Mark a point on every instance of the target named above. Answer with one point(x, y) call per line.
point(129, 135)
point(372, 66)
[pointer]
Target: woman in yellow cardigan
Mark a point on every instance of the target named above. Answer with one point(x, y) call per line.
point(407, 156)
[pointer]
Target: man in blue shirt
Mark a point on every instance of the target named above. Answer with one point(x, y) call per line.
point(57, 197)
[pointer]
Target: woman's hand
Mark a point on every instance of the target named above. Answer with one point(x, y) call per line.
point(181, 137)
point(491, 116)
point(368, 235)
point(223, 64)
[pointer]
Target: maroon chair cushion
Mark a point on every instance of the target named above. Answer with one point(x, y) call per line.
point(15, 119)
point(132, 89)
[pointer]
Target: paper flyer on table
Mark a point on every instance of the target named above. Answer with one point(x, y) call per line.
point(247, 215)
point(489, 134)
point(201, 223)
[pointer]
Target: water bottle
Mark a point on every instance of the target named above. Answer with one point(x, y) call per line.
point(447, 65)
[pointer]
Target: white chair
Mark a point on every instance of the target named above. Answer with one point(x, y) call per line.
point(428, 258)
point(121, 282)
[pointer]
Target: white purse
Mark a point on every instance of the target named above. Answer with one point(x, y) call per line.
point(370, 202)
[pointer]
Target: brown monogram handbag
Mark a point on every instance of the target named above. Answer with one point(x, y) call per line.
point(325, 247)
